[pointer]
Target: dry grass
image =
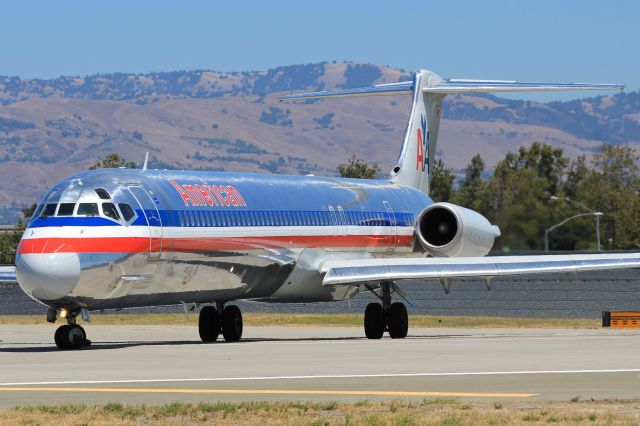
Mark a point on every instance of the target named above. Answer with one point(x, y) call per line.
point(426, 412)
point(322, 320)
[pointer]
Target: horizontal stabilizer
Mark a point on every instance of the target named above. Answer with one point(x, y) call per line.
point(356, 271)
point(494, 86)
point(401, 88)
point(454, 86)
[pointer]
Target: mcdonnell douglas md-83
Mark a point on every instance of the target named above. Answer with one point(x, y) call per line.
point(122, 238)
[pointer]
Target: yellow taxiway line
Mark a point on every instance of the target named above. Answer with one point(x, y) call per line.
point(269, 392)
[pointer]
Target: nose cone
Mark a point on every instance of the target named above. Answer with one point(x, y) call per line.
point(47, 276)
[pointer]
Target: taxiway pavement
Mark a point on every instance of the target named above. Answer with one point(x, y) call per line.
point(159, 364)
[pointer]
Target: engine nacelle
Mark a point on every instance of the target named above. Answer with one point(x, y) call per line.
point(448, 230)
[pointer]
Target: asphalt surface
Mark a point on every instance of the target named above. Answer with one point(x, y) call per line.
point(555, 295)
point(159, 364)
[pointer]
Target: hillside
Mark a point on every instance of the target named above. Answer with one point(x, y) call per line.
point(232, 121)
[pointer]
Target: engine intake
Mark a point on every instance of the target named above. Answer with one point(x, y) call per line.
point(448, 230)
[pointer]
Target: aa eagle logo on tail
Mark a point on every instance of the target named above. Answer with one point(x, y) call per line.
point(422, 159)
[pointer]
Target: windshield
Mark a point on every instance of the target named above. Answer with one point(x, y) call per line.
point(88, 209)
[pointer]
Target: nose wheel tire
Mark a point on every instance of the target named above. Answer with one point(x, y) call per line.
point(374, 321)
point(209, 324)
point(232, 323)
point(71, 336)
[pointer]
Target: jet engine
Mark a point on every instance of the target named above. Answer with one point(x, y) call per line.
point(448, 230)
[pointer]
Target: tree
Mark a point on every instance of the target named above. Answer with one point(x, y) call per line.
point(472, 193)
point(113, 161)
point(611, 186)
point(519, 195)
point(357, 168)
point(441, 185)
point(547, 163)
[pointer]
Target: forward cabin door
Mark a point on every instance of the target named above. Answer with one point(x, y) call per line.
point(151, 215)
point(393, 228)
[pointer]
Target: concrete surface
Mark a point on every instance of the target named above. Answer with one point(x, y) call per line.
point(158, 364)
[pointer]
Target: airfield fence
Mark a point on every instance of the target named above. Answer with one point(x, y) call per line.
point(557, 296)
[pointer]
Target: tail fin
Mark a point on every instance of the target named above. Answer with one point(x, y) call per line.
point(428, 90)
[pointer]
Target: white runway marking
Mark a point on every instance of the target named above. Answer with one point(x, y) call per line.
point(329, 376)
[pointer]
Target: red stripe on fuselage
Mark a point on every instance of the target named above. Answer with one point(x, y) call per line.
point(141, 244)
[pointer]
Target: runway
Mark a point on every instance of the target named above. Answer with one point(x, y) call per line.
point(158, 364)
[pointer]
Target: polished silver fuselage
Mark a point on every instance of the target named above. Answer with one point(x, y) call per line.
point(200, 237)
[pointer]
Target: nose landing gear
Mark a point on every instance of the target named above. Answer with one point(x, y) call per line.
point(220, 319)
point(391, 317)
point(70, 335)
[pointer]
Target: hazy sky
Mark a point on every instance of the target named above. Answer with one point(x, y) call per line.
point(539, 40)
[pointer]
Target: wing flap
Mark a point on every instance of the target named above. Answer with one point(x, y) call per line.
point(345, 272)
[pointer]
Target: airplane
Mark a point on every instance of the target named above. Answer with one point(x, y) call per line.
point(123, 238)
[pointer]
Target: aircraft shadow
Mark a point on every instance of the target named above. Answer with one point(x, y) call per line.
point(42, 347)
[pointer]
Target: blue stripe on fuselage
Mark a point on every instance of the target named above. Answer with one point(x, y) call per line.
point(254, 218)
point(52, 221)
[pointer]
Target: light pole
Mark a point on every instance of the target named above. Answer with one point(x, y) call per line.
point(590, 212)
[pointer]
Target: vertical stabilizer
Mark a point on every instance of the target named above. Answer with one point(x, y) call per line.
point(418, 148)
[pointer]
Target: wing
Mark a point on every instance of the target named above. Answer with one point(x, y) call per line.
point(8, 274)
point(358, 271)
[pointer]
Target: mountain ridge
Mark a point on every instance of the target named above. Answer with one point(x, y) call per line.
point(232, 121)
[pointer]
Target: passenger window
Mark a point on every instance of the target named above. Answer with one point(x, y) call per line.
point(49, 210)
point(109, 210)
point(66, 209)
point(88, 209)
point(103, 194)
point(127, 211)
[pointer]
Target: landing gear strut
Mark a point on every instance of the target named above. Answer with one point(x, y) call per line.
point(71, 335)
point(220, 319)
point(391, 317)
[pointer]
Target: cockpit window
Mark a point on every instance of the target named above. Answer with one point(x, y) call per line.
point(66, 209)
point(87, 209)
point(36, 213)
point(127, 211)
point(109, 210)
point(103, 194)
point(49, 210)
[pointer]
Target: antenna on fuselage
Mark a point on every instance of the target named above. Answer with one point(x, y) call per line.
point(146, 160)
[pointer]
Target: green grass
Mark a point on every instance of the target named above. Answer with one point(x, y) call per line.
point(322, 320)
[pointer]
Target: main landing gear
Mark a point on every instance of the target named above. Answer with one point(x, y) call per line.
point(70, 335)
point(391, 317)
point(220, 319)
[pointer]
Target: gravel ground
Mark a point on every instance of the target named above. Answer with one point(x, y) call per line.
point(554, 296)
